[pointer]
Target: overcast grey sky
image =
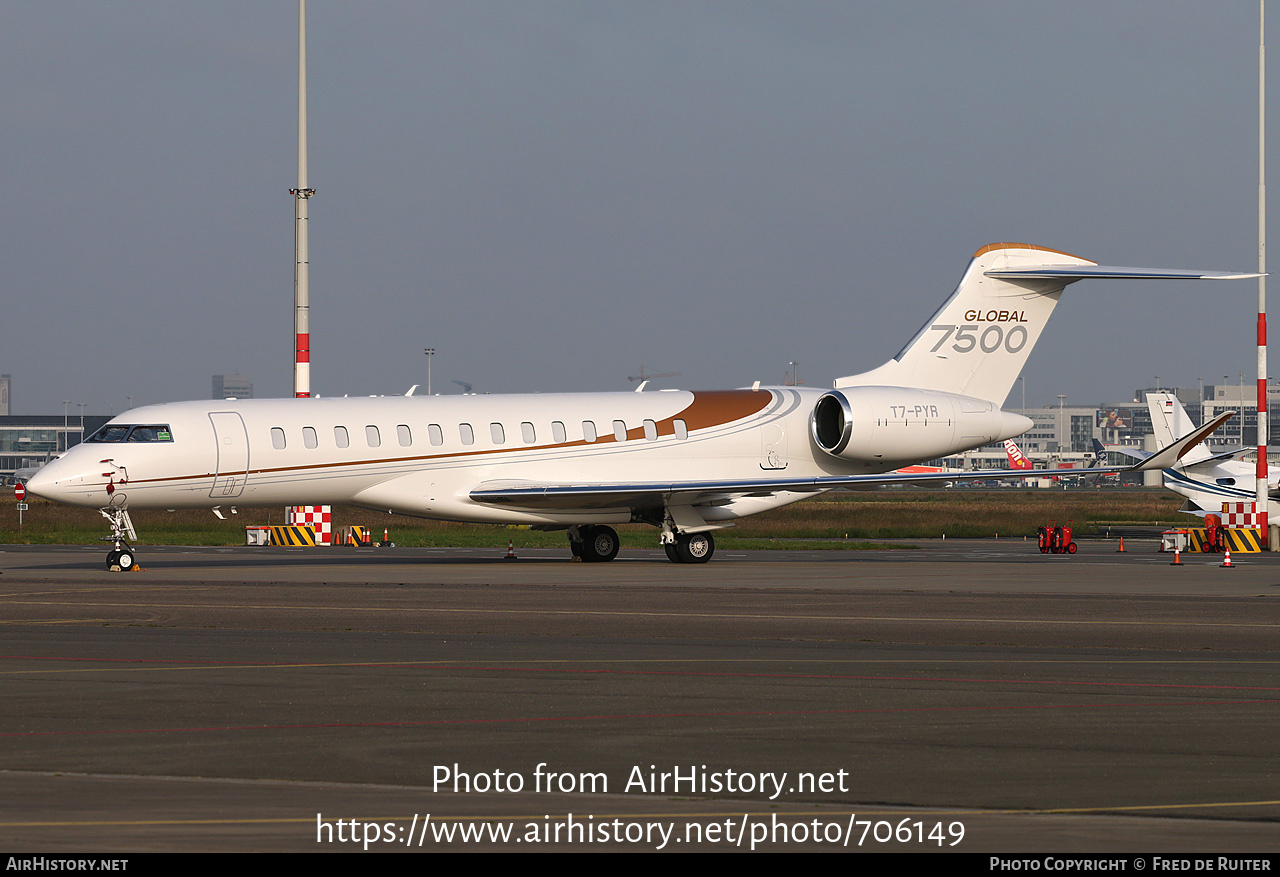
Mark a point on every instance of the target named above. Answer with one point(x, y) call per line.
point(554, 193)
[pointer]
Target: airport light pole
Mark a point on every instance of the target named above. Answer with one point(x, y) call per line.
point(430, 352)
point(301, 249)
point(1261, 496)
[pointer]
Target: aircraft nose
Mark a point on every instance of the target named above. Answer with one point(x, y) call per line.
point(42, 484)
point(55, 481)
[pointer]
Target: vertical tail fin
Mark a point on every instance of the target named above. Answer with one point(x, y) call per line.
point(1017, 459)
point(977, 342)
point(1170, 422)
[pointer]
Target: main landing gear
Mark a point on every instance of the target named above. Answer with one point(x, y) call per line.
point(594, 543)
point(120, 558)
point(690, 548)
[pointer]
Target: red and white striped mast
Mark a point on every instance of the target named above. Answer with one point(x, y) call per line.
point(316, 517)
point(1262, 492)
point(301, 196)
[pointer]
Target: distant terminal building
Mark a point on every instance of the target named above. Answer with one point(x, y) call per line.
point(27, 441)
point(232, 387)
point(4, 395)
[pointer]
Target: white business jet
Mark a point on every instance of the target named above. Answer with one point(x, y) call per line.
point(1206, 480)
point(688, 463)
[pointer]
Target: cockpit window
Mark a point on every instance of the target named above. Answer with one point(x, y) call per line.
point(109, 433)
point(150, 433)
point(117, 432)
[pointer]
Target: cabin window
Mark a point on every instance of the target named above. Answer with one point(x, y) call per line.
point(527, 433)
point(404, 435)
point(340, 437)
point(277, 438)
point(682, 430)
point(650, 431)
point(468, 434)
point(435, 434)
point(372, 436)
point(589, 430)
point(309, 437)
point(620, 430)
point(558, 434)
point(495, 432)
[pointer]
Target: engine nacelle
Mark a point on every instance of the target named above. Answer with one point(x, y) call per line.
point(901, 425)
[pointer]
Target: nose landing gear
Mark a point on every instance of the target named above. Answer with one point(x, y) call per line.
point(120, 558)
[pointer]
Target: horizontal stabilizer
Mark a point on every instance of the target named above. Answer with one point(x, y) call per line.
point(1110, 272)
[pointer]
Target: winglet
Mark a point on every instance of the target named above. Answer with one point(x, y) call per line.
point(1166, 457)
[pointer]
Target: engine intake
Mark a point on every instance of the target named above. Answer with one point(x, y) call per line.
point(832, 423)
point(881, 425)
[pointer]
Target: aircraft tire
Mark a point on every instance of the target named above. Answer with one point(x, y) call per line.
point(673, 553)
point(121, 557)
point(695, 547)
point(599, 544)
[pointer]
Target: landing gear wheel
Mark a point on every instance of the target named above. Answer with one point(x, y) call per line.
point(575, 547)
point(599, 544)
point(694, 547)
point(120, 557)
point(673, 554)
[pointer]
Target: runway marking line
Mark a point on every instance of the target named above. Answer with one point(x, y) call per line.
point(169, 665)
point(617, 717)
point(613, 613)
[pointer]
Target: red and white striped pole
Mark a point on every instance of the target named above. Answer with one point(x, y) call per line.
point(302, 256)
point(1262, 493)
point(317, 516)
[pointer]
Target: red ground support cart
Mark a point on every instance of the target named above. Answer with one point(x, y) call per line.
point(1056, 540)
point(1214, 537)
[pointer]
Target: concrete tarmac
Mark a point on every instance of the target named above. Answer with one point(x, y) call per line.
point(964, 696)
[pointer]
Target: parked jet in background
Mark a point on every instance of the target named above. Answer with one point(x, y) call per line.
point(687, 463)
point(1206, 480)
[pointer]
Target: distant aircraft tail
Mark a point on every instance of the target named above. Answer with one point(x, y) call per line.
point(977, 342)
point(1169, 420)
point(1017, 459)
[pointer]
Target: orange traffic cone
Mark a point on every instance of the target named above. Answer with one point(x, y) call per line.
point(1226, 560)
point(1121, 550)
point(511, 550)
point(1177, 557)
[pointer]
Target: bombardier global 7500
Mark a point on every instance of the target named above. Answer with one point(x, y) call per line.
point(686, 462)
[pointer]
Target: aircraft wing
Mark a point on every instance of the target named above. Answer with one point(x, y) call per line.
point(1226, 455)
point(530, 495)
point(1131, 453)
